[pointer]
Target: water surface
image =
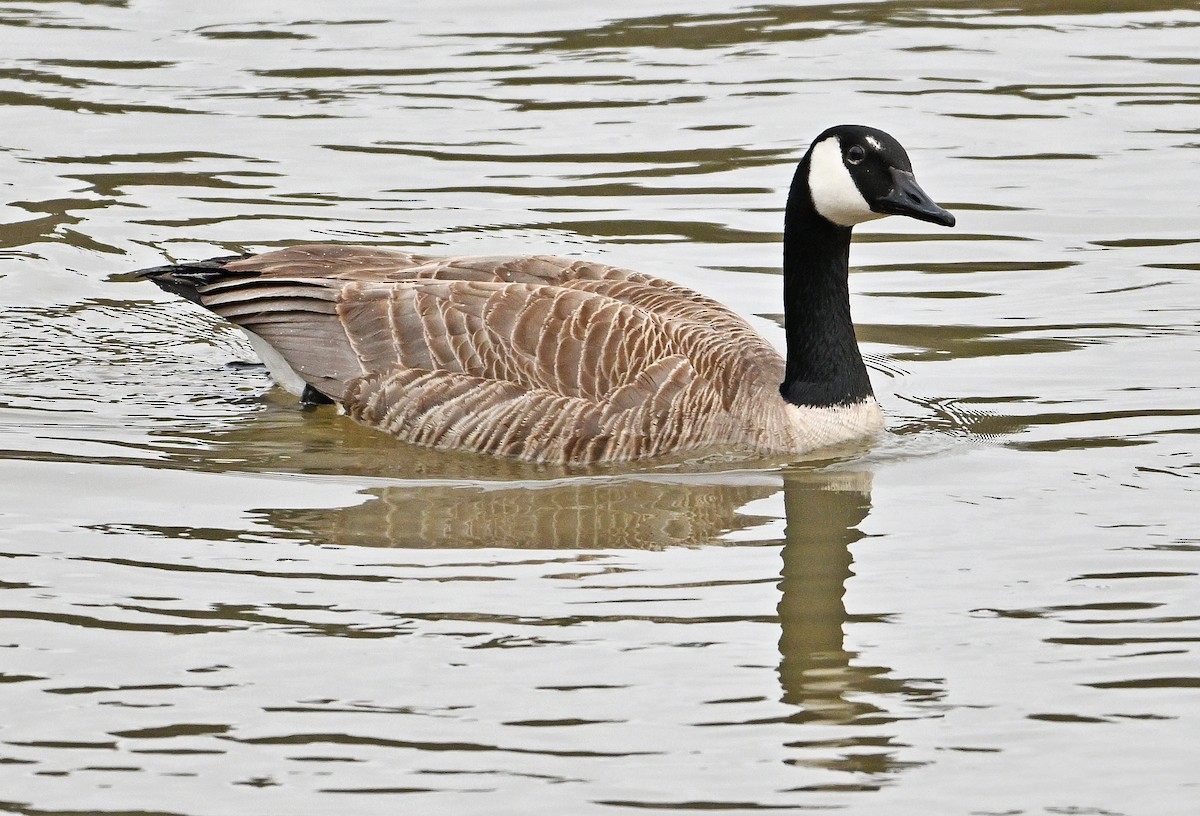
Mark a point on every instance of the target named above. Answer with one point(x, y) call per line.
point(214, 603)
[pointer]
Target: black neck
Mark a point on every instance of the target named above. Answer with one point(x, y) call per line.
point(824, 365)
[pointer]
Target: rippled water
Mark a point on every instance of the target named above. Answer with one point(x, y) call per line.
point(212, 602)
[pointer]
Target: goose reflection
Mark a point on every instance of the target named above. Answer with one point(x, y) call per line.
point(819, 677)
point(440, 502)
point(581, 514)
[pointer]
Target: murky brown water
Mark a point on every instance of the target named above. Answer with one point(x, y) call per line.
point(213, 603)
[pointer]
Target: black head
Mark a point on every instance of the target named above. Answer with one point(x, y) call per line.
point(857, 173)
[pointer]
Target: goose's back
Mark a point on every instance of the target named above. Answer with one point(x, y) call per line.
point(538, 357)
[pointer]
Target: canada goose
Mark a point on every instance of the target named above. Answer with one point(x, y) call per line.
point(565, 361)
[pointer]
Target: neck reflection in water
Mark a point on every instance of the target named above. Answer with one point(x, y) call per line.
point(824, 681)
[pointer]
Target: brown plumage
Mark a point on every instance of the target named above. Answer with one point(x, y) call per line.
point(540, 358)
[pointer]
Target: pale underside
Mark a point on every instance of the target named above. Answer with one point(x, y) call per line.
point(540, 358)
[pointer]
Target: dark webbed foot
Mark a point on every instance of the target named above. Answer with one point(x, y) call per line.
point(312, 398)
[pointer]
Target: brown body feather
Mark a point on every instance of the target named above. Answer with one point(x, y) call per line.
point(540, 358)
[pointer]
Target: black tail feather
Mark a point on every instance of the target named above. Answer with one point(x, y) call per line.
point(185, 279)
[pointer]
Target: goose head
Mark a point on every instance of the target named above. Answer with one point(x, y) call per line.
point(857, 174)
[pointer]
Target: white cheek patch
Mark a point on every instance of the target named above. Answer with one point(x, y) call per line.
point(834, 193)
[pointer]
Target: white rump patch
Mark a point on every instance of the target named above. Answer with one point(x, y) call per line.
point(834, 193)
point(281, 371)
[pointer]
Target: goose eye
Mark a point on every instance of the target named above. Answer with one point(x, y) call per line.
point(855, 154)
